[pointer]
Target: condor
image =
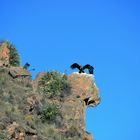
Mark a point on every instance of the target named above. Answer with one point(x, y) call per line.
point(82, 68)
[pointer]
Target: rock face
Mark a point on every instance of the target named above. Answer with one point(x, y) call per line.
point(19, 72)
point(84, 93)
point(27, 113)
point(84, 87)
point(4, 54)
point(8, 54)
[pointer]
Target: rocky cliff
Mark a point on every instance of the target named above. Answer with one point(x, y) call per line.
point(51, 107)
point(4, 54)
point(28, 112)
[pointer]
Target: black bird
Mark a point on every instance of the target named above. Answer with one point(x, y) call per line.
point(26, 66)
point(82, 68)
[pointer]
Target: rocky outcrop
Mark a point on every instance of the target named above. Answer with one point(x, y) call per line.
point(8, 54)
point(19, 72)
point(23, 106)
point(84, 87)
point(84, 93)
point(4, 54)
point(51, 107)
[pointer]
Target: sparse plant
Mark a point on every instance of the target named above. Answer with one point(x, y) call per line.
point(14, 56)
point(51, 83)
point(2, 136)
point(73, 131)
point(2, 70)
point(54, 84)
point(2, 81)
point(29, 118)
point(50, 113)
point(66, 87)
point(58, 137)
point(14, 59)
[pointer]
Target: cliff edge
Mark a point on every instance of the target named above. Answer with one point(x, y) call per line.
point(51, 107)
point(29, 112)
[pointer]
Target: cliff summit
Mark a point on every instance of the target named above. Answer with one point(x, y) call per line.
point(51, 107)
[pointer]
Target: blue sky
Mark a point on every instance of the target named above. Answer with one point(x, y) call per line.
point(51, 35)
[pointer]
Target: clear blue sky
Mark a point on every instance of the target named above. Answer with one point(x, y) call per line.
point(51, 35)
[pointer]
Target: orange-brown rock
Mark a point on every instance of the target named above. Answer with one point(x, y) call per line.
point(19, 72)
point(84, 87)
point(28, 112)
point(11, 129)
point(13, 134)
point(87, 136)
point(4, 54)
point(84, 93)
point(22, 106)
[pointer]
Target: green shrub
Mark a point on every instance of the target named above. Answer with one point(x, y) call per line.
point(58, 136)
point(2, 136)
point(50, 113)
point(73, 131)
point(14, 56)
point(54, 84)
point(66, 87)
point(3, 70)
point(2, 81)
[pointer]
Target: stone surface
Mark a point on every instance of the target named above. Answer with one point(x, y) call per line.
point(21, 106)
point(84, 87)
point(74, 107)
point(4, 54)
point(19, 72)
point(84, 93)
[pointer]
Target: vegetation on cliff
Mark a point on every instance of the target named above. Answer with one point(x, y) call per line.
point(50, 113)
point(51, 107)
point(14, 58)
point(55, 84)
point(35, 116)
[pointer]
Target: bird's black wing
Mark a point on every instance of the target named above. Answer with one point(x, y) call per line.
point(26, 65)
point(89, 67)
point(75, 65)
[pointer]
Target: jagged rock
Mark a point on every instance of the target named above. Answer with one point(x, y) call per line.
point(74, 107)
point(4, 54)
point(12, 133)
point(21, 109)
point(33, 104)
point(18, 132)
point(84, 93)
point(84, 87)
point(27, 112)
point(39, 76)
point(19, 72)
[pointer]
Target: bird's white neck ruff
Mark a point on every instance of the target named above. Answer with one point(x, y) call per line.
point(84, 74)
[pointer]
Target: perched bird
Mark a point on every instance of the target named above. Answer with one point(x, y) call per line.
point(26, 66)
point(82, 68)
